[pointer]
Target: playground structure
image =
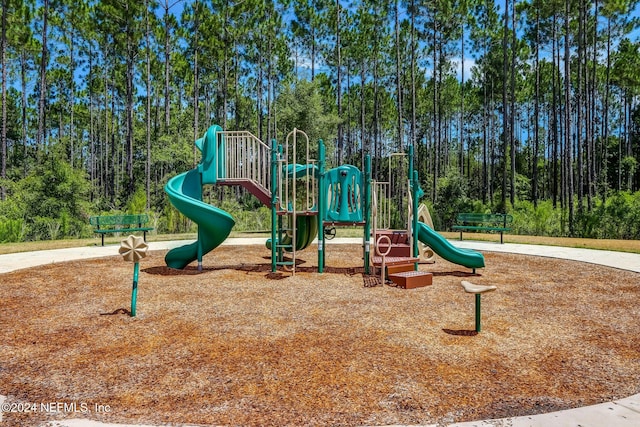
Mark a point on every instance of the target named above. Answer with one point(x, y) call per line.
point(307, 200)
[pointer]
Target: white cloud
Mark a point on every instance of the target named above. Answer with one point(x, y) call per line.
point(469, 63)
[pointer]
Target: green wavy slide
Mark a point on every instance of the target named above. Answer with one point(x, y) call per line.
point(214, 224)
point(442, 247)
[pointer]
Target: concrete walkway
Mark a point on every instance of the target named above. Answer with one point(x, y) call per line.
point(621, 413)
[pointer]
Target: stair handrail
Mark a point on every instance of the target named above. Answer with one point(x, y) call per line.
point(246, 158)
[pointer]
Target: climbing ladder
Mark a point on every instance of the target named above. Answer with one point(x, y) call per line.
point(293, 205)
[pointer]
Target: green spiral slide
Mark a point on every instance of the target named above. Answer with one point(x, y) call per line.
point(442, 247)
point(214, 224)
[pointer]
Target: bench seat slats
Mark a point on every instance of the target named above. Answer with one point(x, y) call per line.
point(483, 222)
point(105, 224)
point(479, 227)
point(122, 230)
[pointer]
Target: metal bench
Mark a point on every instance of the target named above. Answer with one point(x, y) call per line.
point(483, 222)
point(105, 224)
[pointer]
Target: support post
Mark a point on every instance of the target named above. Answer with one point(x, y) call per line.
point(294, 222)
point(478, 290)
point(367, 212)
point(478, 312)
point(274, 203)
point(134, 290)
point(411, 162)
point(413, 179)
point(199, 249)
point(321, 206)
point(414, 221)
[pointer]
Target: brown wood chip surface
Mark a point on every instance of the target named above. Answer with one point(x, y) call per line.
point(239, 345)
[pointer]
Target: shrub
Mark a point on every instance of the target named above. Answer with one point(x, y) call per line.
point(11, 230)
point(452, 199)
point(543, 220)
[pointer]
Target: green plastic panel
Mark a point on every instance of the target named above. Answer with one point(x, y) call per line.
point(344, 192)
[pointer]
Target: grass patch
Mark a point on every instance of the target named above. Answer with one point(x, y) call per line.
point(602, 244)
point(569, 242)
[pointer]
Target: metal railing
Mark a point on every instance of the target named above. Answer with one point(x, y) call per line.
point(381, 203)
point(289, 162)
point(246, 158)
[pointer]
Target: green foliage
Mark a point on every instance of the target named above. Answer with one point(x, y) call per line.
point(452, 199)
point(51, 202)
point(629, 166)
point(247, 220)
point(301, 106)
point(523, 187)
point(172, 221)
point(11, 230)
point(138, 201)
point(542, 220)
point(617, 218)
point(620, 216)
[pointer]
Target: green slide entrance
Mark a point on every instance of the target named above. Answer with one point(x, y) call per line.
point(442, 247)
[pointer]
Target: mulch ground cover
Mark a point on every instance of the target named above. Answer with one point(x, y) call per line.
point(238, 345)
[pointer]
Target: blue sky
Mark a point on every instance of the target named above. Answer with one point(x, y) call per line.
point(177, 7)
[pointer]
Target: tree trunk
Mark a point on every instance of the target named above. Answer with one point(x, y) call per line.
point(536, 120)
point(349, 143)
point(112, 171)
point(236, 89)
point(398, 81)
point(313, 52)
point(485, 141)
point(44, 59)
point(413, 77)
point(591, 172)
point(512, 109)
point(167, 60)
point(436, 127)
point(270, 135)
point(196, 81)
point(492, 144)
point(259, 96)
point(567, 116)
point(339, 85)
point(505, 107)
point(376, 117)
point(461, 126)
point(105, 145)
point(92, 134)
point(554, 112)
point(225, 67)
point(579, 106)
point(3, 59)
point(23, 80)
point(72, 93)
point(605, 137)
point(131, 52)
point(147, 164)
point(365, 148)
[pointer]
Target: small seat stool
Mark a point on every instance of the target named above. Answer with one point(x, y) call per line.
point(478, 290)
